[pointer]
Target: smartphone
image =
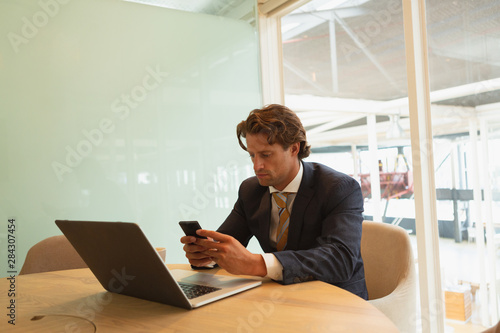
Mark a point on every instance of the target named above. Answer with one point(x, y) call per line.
point(190, 227)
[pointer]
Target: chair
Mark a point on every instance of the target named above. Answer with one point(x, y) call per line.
point(52, 254)
point(390, 272)
point(493, 329)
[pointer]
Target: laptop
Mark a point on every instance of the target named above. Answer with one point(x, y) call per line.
point(125, 262)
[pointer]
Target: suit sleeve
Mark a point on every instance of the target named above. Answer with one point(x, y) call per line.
point(236, 224)
point(335, 258)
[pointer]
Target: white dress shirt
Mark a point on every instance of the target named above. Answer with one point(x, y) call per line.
point(274, 267)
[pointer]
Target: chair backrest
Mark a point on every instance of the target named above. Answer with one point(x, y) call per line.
point(387, 256)
point(390, 273)
point(493, 329)
point(52, 254)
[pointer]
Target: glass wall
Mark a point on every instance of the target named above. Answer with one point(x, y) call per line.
point(118, 111)
point(344, 62)
point(463, 45)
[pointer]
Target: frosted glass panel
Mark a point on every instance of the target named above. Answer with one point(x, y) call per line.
point(117, 111)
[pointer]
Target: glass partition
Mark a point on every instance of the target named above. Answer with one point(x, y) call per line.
point(118, 111)
point(344, 71)
point(344, 62)
point(463, 45)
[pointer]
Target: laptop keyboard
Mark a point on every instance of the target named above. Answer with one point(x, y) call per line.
point(196, 290)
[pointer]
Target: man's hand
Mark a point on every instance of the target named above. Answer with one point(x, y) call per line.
point(227, 252)
point(194, 252)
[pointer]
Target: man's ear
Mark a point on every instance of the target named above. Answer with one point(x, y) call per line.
point(295, 148)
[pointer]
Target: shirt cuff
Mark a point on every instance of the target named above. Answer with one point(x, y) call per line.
point(274, 267)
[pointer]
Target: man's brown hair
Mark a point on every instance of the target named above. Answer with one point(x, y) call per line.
point(279, 123)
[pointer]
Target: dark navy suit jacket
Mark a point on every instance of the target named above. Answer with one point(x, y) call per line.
point(324, 233)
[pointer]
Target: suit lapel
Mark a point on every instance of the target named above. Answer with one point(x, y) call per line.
point(264, 218)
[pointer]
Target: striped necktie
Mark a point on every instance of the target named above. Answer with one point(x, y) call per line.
point(284, 219)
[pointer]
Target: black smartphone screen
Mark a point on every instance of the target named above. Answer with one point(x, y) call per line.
point(190, 227)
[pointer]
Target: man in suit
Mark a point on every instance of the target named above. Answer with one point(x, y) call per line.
point(307, 217)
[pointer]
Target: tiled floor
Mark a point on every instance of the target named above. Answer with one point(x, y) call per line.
point(459, 261)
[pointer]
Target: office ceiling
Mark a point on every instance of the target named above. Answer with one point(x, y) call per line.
point(334, 88)
point(369, 37)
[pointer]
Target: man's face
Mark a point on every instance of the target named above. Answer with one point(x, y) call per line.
point(273, 165)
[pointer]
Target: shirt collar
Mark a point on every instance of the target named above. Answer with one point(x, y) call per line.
point(293, 186)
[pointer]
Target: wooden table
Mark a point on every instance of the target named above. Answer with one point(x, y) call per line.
point(74, 301)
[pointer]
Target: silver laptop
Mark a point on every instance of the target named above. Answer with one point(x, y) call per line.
point(125, 262)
